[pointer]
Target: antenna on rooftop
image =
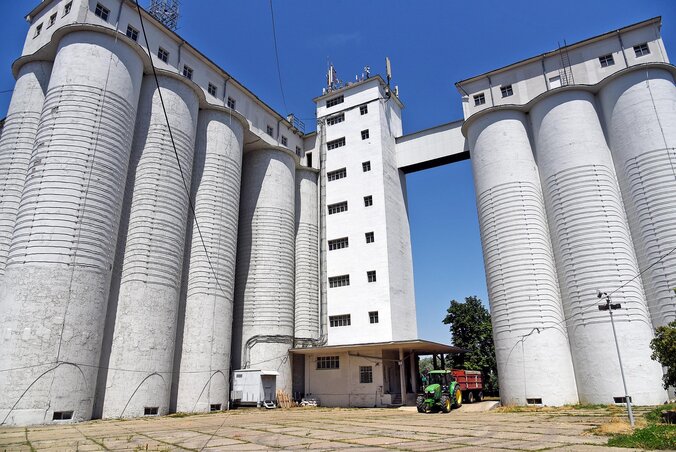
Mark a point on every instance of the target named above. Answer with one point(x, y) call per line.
point(166, 11)
point(332, 81)
point(388, 70)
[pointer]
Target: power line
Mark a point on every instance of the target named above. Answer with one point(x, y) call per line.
point(6, 91)
point(279, 71)
point(173, 145)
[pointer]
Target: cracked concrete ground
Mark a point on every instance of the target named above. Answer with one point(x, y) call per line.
point(323, 429)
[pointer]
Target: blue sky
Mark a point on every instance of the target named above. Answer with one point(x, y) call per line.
point(432, 44)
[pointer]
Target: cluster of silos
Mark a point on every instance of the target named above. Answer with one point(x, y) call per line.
point(556, 227)
point(118, 241)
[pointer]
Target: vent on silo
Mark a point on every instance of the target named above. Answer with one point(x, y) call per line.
point(151, 411)
point(166, 11)
point(535, 401)
point(62, 415)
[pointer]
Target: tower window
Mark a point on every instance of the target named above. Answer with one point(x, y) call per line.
point(187, 72)
point(308, 158)
point(363, 109)
point(373, 316)
point(506, 90)
point(370, 237)
point(337, 207)
point(132, 33)
point(298, 151)
point(371, 275)
point(606, 60)
point(333, 120)
point(212, 89)
point(231, 103)
point(285, 141)
point(340, 320)
point(365, 374)
point(334, 101)
point(340, 142)
point(38, 30)
point(162, 54)
point(339, 281)
point(366, 166)
point(365, 134)
point(368, 201)
point(479, 99)
point(67, 8)
point(269, 130)
point(337, 174)
point(338, 243)
point(102, 12)
point(52, 20)
point(641, 50)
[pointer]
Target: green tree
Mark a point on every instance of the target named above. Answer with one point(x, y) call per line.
point(664, 351)
point(470, 325)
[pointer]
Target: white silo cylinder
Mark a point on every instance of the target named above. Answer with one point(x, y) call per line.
point(640, 115)
point(264, 286)
point(204, 378)
point(142, 349)
point(16, 144)
point(593, 250)
point(306, 324)
point(59, 268)
point(529, 331)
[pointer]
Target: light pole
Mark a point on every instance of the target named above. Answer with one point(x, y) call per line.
point(610, 307)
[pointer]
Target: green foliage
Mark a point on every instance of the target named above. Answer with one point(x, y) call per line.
point(664, 351)
point(657, 436)
point(425, 364)
point(470, 325)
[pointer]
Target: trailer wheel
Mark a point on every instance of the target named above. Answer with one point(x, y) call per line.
point(480, 396)
point(470, 397)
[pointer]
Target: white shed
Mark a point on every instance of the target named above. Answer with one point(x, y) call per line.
point(254, 387)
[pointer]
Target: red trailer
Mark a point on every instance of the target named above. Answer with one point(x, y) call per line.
point(471, 384)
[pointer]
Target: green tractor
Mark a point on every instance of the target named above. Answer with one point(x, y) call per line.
point(441, 391)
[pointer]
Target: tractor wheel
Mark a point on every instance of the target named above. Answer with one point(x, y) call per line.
point(457, 398)
point(446, 404)
point(420, 404)
point(470, 397)
point(480, 396)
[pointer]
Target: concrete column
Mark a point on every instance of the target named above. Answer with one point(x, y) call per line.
point(593, 250)
point(640, 116)
point(16, 145)
point(306, 324)
point(263, 323)
point(204, 378)
point(402, 376)
point(412, 359)
point(151, 259)
point(58, 272)
point(523, 290)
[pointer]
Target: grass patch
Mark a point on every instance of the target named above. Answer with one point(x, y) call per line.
point(656, 437)
point(655, 415)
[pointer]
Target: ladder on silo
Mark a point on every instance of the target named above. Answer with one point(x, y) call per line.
point(565, 71)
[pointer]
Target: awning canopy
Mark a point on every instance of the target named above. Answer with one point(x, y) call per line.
point(418, 346)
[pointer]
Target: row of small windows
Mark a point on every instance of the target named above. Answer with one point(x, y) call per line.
point(334, 144)
point(344, 280)
point(605, 61)
point(342, 206)
point(338, 244)
point(52, 19)
point(342, 172)
point(337, 174)
point(346, 319)
point(344, 242)
point(337, 119)
point(334, 101)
